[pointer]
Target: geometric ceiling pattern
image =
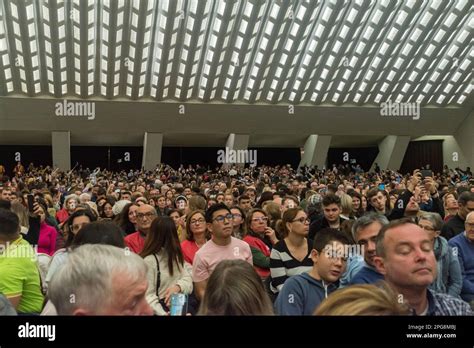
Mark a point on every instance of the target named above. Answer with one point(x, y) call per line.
point(253, 51)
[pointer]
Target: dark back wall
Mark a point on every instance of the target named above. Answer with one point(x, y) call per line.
point(364, 156)
point(111, 157)
point(130, 157)
point(39, 155)
point(420, 153)
point(207, 156)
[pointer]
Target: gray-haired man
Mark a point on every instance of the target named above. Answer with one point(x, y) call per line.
point(101, 280)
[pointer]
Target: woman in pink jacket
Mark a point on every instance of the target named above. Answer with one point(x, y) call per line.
point(48, 234)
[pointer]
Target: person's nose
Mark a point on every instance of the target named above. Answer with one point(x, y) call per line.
point(420, 255)
point(370, 246)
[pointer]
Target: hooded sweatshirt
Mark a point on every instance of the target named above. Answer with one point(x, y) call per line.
point(449, 279)
point(302, 294)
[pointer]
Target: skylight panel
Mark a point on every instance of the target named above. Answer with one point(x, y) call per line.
point(248, 9)
point(14, 10)
point(327, 14)
point(416, 34)
point(392, 33)
point(274, 11)
point(376, 18)
point(218, 23)
point(301, 11)
point(352, 15)
point(439, 36)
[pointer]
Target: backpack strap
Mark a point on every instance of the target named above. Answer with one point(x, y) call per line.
point(158, 276)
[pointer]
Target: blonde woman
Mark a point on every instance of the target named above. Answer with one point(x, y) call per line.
point(364, 299)
point(346, 207)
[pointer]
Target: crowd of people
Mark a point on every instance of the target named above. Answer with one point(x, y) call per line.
point(236, 241)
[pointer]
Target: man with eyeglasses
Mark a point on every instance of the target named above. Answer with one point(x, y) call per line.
point(463, 246)
point(145, 216)
point(221, 246)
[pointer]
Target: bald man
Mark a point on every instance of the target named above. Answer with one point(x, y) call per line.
point(405, 257)
point(145, 216)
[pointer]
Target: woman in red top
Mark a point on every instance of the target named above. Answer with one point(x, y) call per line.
point(196, 235)
point(261, 239)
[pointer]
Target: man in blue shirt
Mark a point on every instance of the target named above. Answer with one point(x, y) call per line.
point(365, 231)
point(463, 246)
point(405, 257)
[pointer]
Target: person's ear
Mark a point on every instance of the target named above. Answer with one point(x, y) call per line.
point(380, 265)
point(209, 227)
point(288, 226)
point(314, 256)
point(81, 312)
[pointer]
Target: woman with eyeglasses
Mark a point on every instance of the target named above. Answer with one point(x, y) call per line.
point(238, 222)
point(449, 276)
point(261, 239)
point(291, 255)
point(196, 235)
point(73, 225)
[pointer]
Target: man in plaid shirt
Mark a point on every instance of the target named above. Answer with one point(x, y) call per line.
point(405, 256)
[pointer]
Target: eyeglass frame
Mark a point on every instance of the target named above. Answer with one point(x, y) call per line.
point(148, 215)
point(222, 218)
point(302, 220)
point(200, 221)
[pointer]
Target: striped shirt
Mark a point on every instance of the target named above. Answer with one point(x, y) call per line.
point(283, 265)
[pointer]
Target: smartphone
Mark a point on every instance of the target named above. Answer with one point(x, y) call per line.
point(179, 304)
point(382, 186)
point(426, 172)
point(31, 201)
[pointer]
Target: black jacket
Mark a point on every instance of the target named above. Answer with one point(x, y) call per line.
point(318, 225)
point(453, 227)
